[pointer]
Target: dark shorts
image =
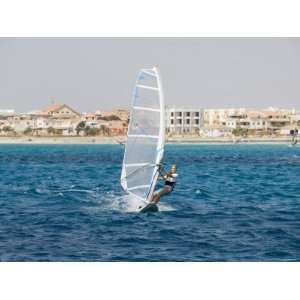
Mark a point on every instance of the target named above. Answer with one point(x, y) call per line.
point(170, 184)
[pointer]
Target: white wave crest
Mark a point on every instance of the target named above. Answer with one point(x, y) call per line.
point(129, 203)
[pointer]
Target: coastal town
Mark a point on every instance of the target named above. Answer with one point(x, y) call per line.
point(61, 120)
point(232, 124)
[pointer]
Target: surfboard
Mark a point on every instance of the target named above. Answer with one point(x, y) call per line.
point(150, 207)
point(144, 147)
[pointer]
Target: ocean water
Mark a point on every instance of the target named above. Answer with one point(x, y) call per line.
point(231, 203)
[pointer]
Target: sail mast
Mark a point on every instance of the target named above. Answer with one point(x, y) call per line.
point(162, 130)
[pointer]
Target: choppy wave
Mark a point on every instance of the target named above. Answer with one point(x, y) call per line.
point(231, 203)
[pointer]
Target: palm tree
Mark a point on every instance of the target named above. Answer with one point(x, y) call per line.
point(105, 130)
point(111, 118)
point(7, 129)
point(51, 130)
point(28, 131)
point(80, 127)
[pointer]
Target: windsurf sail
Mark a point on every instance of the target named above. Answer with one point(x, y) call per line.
point(144, 147)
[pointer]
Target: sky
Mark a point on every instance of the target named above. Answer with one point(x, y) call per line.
point(99, 73)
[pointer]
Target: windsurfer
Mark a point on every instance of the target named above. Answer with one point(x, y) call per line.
point(170, 182)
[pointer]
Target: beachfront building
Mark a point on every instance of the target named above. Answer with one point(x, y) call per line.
point(278, 120)
point(295, 119)
point(96, 124)
point(114, 122)
point(58, 119)
point(89, 117)
point(251, 120)
point(115, 114)
point(64, 127)
point(60, 111)
point(184, 120)
point(117, 127)
point(6, 112)
point(20, 122)
point(260, 122)
point(290, 131)
point(122, 114)
point(209, 132)
point(5, 128)
point(4, 115)
point(217, 118)
point(234, 123)
point(27, 122)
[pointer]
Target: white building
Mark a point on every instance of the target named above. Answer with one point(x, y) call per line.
point(42, 123)
point(215, 132)
point(232, 123)
point(7, 112)
point(20, 122)
point(248, 123)
point(215, 118)
point(295, 119)
point(257, 123)
point(97, 124)
point(184, 120)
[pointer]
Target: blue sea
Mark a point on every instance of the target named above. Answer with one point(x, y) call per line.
point(231, 203)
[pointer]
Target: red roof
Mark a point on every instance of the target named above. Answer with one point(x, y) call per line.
point(53, 107)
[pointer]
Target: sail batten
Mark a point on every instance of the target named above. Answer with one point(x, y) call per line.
point(149, 73)
point(146, 108)
point(147, 87)
point(146, 135)
point(149, 136)
point(139, 187)
point(137, 165)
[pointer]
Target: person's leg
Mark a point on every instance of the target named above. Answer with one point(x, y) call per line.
point(160, 193)
point(155, 196)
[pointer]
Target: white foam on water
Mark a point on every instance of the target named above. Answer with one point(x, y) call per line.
point(166, 207)
point(129, 203)
point(79, 191)
point(125, 203)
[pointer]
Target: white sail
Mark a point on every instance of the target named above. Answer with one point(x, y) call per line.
point(146, 136)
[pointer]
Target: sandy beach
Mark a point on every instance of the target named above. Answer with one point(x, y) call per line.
point(61, 140)
point(228, 140)
point(119, 139)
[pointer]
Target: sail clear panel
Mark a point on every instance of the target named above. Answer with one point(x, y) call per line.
point(145, 141)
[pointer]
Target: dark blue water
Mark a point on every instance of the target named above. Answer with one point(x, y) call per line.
point(231, 203)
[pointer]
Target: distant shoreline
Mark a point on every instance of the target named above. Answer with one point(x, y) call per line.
point(120, 139)
point(61, 140)
point(244, 141)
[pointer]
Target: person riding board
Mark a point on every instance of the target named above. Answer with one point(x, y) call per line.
point(170, 182)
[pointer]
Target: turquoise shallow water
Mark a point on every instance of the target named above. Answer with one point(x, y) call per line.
point(231, 203)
